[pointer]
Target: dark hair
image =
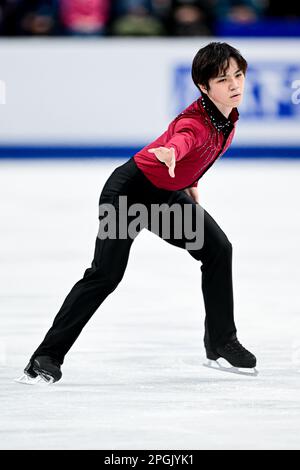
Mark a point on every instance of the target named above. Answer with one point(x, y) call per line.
point(213, 60)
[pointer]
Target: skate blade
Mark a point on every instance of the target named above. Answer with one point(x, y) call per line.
point(39, 380)
point(233, 370)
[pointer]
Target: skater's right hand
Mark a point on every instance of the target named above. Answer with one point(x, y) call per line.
point(167, 156)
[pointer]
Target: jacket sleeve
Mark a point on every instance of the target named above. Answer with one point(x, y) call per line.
point(184, 137)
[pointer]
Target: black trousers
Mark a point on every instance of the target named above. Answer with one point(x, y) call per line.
point(111, 258)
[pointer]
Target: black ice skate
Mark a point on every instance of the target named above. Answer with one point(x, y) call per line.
point(43, 369)
point(47, 368)
point(237, 356)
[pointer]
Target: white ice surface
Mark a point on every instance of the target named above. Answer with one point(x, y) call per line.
point(134, 379)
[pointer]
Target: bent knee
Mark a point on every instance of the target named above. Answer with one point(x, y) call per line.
point(221, 247)
point(226, 245)
point(97, 275)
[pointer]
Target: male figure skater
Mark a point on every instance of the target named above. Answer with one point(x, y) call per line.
point(167, 171)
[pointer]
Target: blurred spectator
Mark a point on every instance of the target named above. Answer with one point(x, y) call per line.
point(191, 18)
point(136, 18)
point(84, 17)
point(122, 7)
point(35, 17)
point(239, 11)
point(39, 18)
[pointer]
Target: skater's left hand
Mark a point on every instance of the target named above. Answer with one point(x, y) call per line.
point(193, 193)
point(166, 156)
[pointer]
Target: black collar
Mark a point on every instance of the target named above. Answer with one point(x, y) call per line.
point(218, 119)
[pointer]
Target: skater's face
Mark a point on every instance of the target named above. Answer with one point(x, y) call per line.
point(226, 90)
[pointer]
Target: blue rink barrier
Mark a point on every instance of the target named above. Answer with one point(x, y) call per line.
point(266, 27)
point(78, 152)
